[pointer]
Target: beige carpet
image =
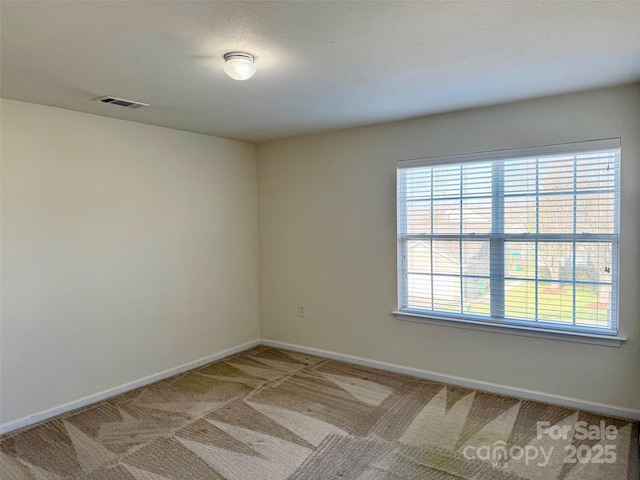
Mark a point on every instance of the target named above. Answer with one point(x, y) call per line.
point(269, 414)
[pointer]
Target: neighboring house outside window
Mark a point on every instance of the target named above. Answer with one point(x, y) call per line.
point(525, 237)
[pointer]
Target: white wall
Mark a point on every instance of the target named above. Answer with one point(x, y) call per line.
point(127, 250)
point(130, 249)
point(327, 241)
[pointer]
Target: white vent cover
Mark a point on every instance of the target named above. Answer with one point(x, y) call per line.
point(122, 102)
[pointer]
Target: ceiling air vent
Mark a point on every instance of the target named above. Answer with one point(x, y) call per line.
point(122, 102)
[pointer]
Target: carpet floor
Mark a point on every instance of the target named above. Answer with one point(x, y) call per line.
point(269, 414)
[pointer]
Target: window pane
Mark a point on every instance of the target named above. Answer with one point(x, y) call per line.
point(556, 174)
point(446, 294)
point(593, 306)
point(550, 256)
point(556, 214)
point(446, 257)
point(475, 257)
point(520, 299)
point(446, 181)
point(476, 215)
point(419, 217)
point(446, 216)
point(476, 296)
point(419, 256)
point(596, 171)
point(556, 304)
point(476, 283)
point(419, 291)
point(520, 176)
point(418, 182)
point(600, 255)
point(594, 213)
point(520, 214)
point(520, 260)
point(476, 180)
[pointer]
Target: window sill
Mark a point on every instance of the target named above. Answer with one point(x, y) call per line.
point(510, 329)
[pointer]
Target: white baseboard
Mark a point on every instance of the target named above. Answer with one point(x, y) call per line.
point(83, 402)
point(604, 409)
point(601, 408)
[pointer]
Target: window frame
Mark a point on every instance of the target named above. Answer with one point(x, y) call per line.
point(498, 274)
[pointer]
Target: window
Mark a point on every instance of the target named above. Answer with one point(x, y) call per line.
point(525, 237)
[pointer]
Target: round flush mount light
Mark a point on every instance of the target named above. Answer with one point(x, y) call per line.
point(239, 65)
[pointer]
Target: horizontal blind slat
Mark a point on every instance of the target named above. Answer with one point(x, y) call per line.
point(559, 221)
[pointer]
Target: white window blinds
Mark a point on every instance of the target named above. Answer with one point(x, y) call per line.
point(527, 236)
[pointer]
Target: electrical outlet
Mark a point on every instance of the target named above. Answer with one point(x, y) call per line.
point(301, 311)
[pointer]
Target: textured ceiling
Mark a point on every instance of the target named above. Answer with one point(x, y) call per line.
point(321, 65)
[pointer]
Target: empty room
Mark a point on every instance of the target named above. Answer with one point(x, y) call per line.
point(360, 240)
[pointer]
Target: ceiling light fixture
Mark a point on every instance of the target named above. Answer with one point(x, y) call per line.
point(239, 65)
